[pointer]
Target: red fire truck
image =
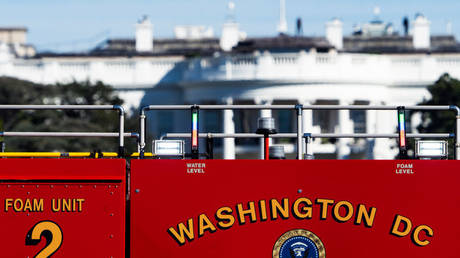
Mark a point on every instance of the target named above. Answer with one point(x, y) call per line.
point(178, 201)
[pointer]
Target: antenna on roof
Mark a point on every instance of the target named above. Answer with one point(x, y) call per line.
point(144, 18)
point(449, 28)
point(406, 25)
point(282, 25)
point(377, 13)
point(299, 30)
point(231, 11)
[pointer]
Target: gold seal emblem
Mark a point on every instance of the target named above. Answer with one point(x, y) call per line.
point(299, 243)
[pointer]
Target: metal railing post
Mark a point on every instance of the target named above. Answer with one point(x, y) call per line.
point(457, 131)
point(299, 108)
point(142, 132)
point(210, 146)
point(121, 145)
point(457, 138)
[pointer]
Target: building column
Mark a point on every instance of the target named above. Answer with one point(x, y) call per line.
point(371, 127)
point(228, 68)
point(229, 128)
point(386, 123)
point(264, 113)
point(345, 126)
point(51, 73)
point(416, 120)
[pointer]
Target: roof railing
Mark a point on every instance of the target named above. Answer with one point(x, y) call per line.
point(299, 134)
point(121, 113)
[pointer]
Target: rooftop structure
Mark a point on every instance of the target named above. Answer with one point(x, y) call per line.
point(374, 65)
point(15, 39)
point(13, 35)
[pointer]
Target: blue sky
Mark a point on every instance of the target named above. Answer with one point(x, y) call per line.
point(70, 25)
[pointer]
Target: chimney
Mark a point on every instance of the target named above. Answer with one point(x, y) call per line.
point(144, 35)
point(230, 36)
point(334, 33)
point(230, 30)
point(421, 33)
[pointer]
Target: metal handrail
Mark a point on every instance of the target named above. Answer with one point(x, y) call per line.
point(313, 135)
point(68, 154)
point(120, 109)
point(143, 110)
point(299, 109)
point(67, 134)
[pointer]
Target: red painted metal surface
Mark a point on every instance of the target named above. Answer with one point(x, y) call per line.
point(77, 205)
point(166, 193)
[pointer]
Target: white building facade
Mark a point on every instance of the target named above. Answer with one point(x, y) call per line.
point(314, 71)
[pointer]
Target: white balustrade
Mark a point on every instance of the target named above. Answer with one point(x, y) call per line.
point(342, 68)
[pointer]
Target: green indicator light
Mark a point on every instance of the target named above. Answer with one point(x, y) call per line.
point(401, 120)
point(194, 121)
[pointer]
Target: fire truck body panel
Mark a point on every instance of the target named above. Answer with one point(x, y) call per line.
point(198, 208)
point(62, 207)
